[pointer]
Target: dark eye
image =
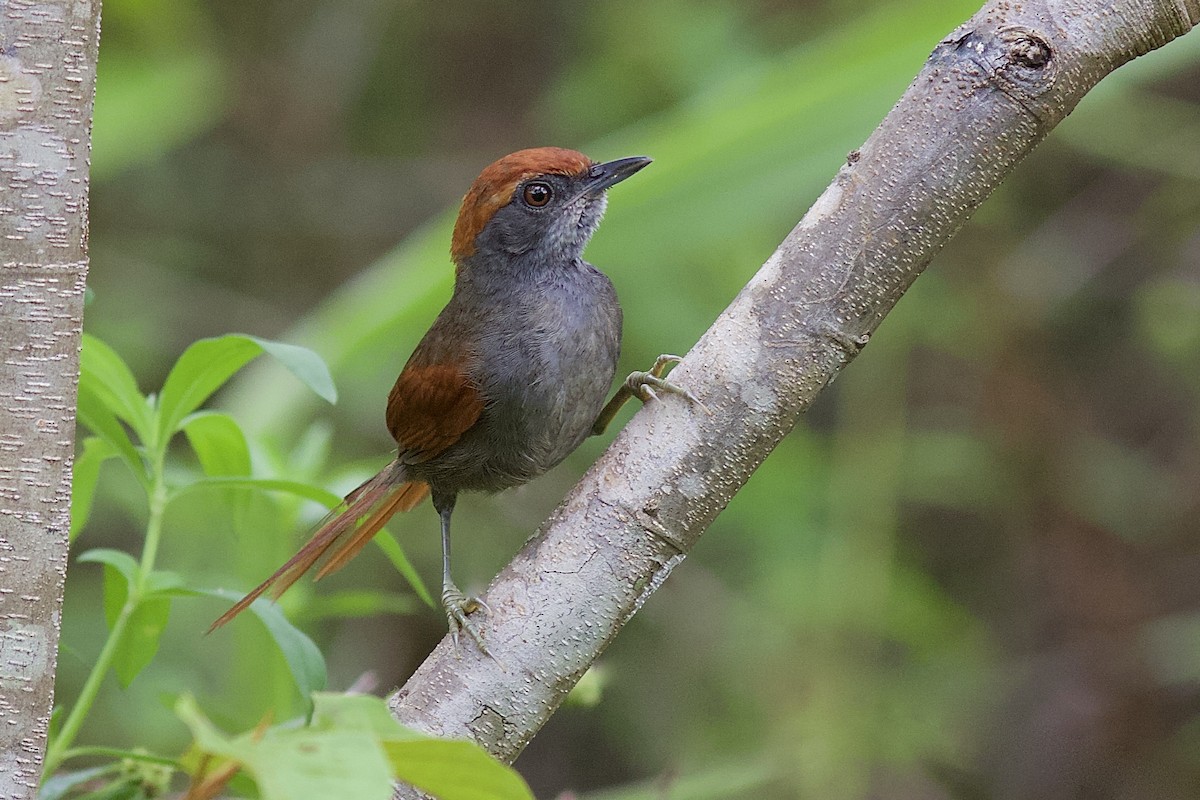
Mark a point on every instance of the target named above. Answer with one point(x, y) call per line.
point(537, 194)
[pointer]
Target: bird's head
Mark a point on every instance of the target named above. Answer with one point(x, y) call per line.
point(535, 206)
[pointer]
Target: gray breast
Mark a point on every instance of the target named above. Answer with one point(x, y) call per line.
point(546, 363)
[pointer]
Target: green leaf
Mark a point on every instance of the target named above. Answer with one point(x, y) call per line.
point(207, 364)
point(94, 415)
point(106, 375)
point(208, 737)
point(300, 763)
point(303, 658)
point(359, 712)
point(168, 584)
point(116, 592)
point(124, 564)
point(391, 548)
point(147, 620)
point(123, 788)
point(454, 770)
point(298, 488)
point(218, 442)
point(142, 635)
point(201, 370)
point(304, 364)
point(60, 784)
point(355, 748)
point(86, 473)
point(449, 770)
point(303, 764)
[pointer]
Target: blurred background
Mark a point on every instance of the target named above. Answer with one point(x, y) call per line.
point(971, 572)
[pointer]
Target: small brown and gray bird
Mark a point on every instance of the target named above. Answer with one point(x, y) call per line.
point(513, 373)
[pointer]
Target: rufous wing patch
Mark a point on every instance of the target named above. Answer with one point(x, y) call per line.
point(430, 407)
point(494, 188)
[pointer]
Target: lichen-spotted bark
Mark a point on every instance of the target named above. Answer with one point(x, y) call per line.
point(47, 75)
point(988, 94)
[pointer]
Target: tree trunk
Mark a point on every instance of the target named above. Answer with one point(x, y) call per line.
point(989, 93)
point(47, 76)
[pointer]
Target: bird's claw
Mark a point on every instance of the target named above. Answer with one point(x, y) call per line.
point(643, 384)
point(458, 607)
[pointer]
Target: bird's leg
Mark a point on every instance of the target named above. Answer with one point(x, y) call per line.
point(643, 385)
point(456, 604)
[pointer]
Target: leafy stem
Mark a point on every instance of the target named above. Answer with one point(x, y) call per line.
point(362, 749)
point(158, 506)
point(138, 429)
point(58, 750)
point(123, 755)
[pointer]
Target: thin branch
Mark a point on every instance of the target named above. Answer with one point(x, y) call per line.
point(988, 94)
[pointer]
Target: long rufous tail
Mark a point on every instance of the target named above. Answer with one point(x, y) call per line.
point(361, 515)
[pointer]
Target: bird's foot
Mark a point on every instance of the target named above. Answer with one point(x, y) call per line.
point(458, 607)
point(644, 384)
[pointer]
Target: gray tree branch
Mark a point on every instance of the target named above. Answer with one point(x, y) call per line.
point(47, 75)
point(988, 94)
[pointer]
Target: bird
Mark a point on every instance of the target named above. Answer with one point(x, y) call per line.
point(512, 375)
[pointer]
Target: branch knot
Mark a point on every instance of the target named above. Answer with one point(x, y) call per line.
point(1026, 49)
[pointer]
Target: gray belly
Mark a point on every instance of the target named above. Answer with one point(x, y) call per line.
point(545, 375)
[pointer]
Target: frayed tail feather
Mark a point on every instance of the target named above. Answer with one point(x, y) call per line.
point(362, 514)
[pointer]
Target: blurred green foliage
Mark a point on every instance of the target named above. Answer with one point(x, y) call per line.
point(345, 745)
point(968, 573)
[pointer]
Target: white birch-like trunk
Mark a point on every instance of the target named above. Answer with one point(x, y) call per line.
point(47, 78)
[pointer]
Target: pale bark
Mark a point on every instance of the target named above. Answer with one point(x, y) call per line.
point(47, 75)
point(989, 93)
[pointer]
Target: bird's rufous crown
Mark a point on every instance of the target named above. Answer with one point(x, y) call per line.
point(494, 188)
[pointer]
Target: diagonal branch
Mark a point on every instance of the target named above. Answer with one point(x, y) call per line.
point(989, 93)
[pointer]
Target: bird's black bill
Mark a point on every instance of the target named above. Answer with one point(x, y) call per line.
point(602, 176)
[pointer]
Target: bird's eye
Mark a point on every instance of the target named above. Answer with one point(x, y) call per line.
point(537, 194)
